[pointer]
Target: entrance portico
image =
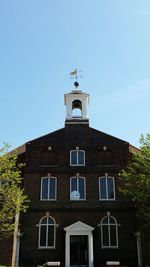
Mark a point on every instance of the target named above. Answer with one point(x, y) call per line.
point(79, 245)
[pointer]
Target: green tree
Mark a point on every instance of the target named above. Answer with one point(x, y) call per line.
point(12, 197)
point(135, 180)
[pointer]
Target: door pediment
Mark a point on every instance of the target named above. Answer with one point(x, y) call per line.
point(79, 226)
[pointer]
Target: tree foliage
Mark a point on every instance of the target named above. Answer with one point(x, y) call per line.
point(135, 180)
point(12, 197)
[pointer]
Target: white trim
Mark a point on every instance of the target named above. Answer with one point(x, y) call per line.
point(46, 224)
point(113, 263)
point(109, 236)
point(107, 198)
point(53, 263)
point(77, 157)
point(78, 177)
point(79, 228)
point(48, 199)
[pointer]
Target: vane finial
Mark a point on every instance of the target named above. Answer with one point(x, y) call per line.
point(75, 75)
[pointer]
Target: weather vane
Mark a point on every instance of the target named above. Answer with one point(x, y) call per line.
point(75, 75)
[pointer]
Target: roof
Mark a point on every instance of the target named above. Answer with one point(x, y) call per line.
point(134, 149)
point(20, 150)
point(74, 134)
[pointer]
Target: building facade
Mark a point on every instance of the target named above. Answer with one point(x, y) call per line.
point(76, 215)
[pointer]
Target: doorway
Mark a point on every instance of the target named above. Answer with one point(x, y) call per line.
point(79, 251)
point(79, 245)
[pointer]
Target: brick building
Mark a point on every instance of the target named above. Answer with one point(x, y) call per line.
point(77, 215)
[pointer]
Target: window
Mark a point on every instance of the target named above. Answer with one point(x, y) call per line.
point(47, 232)
point(106, 188)
point(48, 188)
point(77, 188)
point(77, 157)
point(109, 232)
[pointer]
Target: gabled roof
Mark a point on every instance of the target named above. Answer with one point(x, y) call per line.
point(78, 134)
point(20, 149)
point(79, 226)
point(133, 149)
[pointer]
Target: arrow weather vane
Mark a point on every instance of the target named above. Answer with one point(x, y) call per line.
point(75, 75)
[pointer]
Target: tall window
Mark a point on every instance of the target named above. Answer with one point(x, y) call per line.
point(47, 232)
point(77, 188)
point(109, 232)
point(106, 188)
point(77, 157)
point(48, 188)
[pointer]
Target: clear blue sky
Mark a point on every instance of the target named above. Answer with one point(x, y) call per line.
point(41, 41)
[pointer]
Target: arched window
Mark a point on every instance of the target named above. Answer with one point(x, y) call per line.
point(106, 188)
point(77, 188)
point(109, 232)
point(48, 188)
point(47, 232)
point(77, 157)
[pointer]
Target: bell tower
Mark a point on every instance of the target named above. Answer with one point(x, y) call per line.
point(76, 107)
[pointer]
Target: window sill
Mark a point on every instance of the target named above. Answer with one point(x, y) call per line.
point(46, 248)
point(48, 200)
point(110, 247)
point(77, 165)
point(77, 200)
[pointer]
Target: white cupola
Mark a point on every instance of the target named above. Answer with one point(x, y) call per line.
point(76, 107)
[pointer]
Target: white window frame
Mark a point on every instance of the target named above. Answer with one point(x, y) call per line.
point(39, 237)
point(109, 226)
point(77, 157)
point(77, 177)
point(107, 197)
point(48, 199)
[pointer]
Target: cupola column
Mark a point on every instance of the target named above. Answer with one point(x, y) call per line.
point(84, 108)
point(69, 110)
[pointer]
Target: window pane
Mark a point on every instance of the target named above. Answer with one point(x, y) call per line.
point(50, 236)
point(113, 235)
point(105, 241)
point(73, 157)
point(105, 220)
point(103, 188)
point(44, 220)
point(45, 188)
point(110, 188)
point(111, 220)
point(50, 220)
point(81, 157)
point(75, 195)
point(52, 185)
point(43, 236)
point(73, 184)
point(81, 188)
